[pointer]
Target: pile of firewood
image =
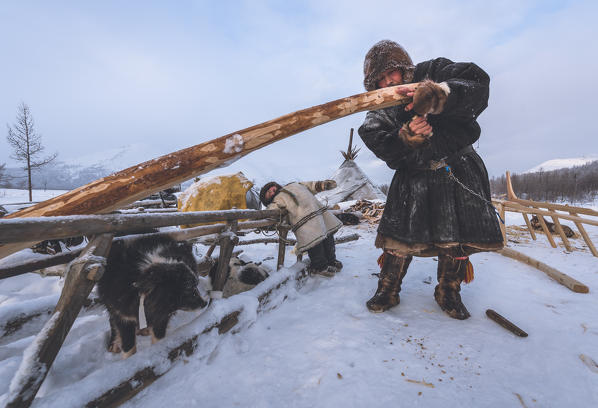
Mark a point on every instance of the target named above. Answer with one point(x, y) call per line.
point(371, 211)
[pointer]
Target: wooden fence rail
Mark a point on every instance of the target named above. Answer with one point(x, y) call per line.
point(542, 209)
point(87, 268)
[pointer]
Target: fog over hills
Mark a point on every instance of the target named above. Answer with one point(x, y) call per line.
point(259, 167)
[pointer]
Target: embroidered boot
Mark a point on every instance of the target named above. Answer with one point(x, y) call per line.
point(391, 276)
point(451, 272)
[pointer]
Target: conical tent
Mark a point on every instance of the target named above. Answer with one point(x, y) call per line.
point(351, 184)
point(351, 181)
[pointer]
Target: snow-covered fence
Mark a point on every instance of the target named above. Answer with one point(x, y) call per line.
point(85, 270)
point(578, 215)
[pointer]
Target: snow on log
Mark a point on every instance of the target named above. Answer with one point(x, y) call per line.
point(125, 187)
point(200, 337)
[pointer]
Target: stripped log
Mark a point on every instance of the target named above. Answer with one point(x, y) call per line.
point(291, 241)
point(547, 231)
point(529, 226)
point(18, 230)
point(557, 275)
point(7, 271)
point(585, 236)
point(124, 187)
point(41, 353)
point(559, 228)
point(505, 323)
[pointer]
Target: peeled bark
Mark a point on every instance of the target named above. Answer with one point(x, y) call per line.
point(127, 186)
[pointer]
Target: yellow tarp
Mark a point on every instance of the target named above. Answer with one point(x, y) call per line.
point(215, 193)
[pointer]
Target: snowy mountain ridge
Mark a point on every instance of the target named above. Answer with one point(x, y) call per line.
point(555, 164)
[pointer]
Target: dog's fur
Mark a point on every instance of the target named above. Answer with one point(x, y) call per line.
point(160, 268)
point(551, 227)
point(243, 275)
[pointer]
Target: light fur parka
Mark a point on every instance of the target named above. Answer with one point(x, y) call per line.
point(309, 219)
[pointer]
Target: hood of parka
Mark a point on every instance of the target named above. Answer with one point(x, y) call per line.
point(385, 55)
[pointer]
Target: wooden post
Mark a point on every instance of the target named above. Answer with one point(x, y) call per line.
point(585, 236)
point(227, 243)
point(503, 226)
point(546, 231)
point(81, 278)
point(529, 226)
point(283, 231)
point(555, 274)
point(559, 229)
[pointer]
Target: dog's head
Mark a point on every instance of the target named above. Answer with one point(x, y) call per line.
point(172, 286)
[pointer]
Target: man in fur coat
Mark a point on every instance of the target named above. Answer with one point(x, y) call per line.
point(312, 224)
point(439, 200)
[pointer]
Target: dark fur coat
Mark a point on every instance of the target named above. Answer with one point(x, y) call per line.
point(426, 206)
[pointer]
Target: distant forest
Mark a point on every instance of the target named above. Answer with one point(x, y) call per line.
point(574, 184)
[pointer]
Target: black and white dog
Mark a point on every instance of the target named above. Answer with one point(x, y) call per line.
point(146, 281)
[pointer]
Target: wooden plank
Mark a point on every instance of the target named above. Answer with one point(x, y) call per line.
point(557, 275)
point(559, 229)
point(529, 226)
point(585, 236)
point(20, 230)
point(181, 235)
point(547, 231)
point(44, 348)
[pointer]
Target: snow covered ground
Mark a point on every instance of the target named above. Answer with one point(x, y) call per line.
point(321, 347)
point(14, 199)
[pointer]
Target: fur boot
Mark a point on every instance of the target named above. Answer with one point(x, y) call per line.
point(451, 273)
point(391, 276)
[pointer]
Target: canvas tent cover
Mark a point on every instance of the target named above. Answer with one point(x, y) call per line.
point(351, 184)
point(215, 193)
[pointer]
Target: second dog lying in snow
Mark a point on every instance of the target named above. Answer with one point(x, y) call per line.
point(145, 282)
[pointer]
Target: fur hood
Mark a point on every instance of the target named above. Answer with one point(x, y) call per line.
point(384, 55)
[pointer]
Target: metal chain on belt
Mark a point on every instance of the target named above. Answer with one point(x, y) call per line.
point(456, 180)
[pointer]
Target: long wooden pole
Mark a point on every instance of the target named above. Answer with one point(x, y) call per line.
point(555, 274)
point(127, 186)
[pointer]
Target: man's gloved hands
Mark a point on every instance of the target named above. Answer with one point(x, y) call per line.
point(325, 185)
point(430, 97)
point(415, 132)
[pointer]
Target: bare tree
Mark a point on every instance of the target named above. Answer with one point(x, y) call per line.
point(27, 143)
point(2, 168)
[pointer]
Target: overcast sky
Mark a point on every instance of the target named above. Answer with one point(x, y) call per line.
point(168, 75)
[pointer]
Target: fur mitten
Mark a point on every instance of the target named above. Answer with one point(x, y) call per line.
point(430, 97)
point(411, 139)
point(325, 185)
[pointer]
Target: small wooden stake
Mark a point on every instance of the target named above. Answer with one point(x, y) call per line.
point(529, 226)
point(559, 229)
point(585, 236)
point(283, 231)
point(505, 323)
point(227, 243)
point(546, 231)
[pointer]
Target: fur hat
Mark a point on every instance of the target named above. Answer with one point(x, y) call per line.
point(265, 189)
point(382, 56)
